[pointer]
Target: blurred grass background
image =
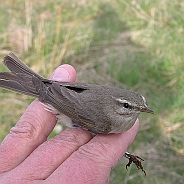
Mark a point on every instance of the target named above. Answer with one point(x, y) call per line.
point(135, 45)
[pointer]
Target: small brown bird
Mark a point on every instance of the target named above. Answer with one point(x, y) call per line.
point(99, 109)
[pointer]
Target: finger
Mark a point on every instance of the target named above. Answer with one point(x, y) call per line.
point(32, 129)
point(95, 159)
point(49, 155)
point(65, 73)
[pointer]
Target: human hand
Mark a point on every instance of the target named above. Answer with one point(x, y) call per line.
point(73, 156)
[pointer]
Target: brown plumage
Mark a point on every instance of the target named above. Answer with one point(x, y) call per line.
point(99, 109)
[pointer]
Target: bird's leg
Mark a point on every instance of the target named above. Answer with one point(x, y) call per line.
point(136, 160)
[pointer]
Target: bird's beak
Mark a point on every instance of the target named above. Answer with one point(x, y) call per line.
point(146, 109)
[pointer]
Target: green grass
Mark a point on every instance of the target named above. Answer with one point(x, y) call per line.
point(135, 45)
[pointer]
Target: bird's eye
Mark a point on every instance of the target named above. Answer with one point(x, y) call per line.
point(126, 105)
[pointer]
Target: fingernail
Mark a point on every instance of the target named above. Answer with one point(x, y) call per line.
point(60, 74)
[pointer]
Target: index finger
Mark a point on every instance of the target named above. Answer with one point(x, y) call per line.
point(33, 127)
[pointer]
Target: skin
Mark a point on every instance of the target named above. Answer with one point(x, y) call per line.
point(73, 156)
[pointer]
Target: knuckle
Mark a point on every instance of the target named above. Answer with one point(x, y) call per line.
point(25, 129)
point(96, 152)
point(72, 138)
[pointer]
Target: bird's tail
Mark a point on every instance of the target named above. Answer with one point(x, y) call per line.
point(20, 77)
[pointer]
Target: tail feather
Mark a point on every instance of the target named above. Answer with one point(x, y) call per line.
point(15, 65)
point(20, 79)
point(15, 85)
